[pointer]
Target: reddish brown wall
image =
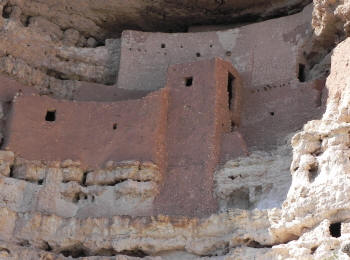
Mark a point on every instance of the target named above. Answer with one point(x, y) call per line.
point(273, 55)
point(84, 130)
point(273, 111)
point(272, 59)
point(198, 116)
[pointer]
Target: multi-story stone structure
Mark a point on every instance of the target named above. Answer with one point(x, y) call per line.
point(186, 102)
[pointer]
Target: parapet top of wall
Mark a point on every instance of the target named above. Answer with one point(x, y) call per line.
point(262, 52)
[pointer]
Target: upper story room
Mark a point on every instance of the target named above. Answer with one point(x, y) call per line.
point(275, 56)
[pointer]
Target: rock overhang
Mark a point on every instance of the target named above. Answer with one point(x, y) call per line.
point(109, 18)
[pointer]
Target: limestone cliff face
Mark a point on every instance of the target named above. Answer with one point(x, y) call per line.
point(316, 208)
point(288, 203)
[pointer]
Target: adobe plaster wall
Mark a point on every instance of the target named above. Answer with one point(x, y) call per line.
point(111, 130)
point(272, 111)
point(149, 54)
point(273, 99)
point(198, 116)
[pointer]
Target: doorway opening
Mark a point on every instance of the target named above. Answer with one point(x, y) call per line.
point(230, 90)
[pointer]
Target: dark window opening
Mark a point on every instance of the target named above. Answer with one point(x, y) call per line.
point(335, 229)
point(228, 53)
point(50, 116)
point(272, 113)
point(83, 181)
point(189, 81)
point(230, 89)
point(27, 21)
point(6, 11)
point(115, 126)
point(233, 126)
point(40, 182)
point(11, 171)
point(198, 54)
point(301, 73)
point(162, 45)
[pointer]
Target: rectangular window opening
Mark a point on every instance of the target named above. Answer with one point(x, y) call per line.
point(189, 81)
point(301, 73)
point(50, 115)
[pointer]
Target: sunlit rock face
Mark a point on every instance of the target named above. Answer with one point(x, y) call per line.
point(316, 205)
point(260, 180)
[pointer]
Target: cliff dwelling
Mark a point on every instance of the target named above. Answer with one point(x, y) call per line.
point(170, 132)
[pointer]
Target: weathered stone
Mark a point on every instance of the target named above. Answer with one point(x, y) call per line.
point(46, 27)
point(91, 42)
point(150, 54)
point(260, 180)
point(62, 189)
point(71, 37)
point(128, 170)
point(111, 17)
point(6, 161)
point(36, 57)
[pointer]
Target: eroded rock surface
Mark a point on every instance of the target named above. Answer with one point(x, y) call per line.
point(260, 180)
point(68, 190)
point(38, 53)
point(99, 19)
